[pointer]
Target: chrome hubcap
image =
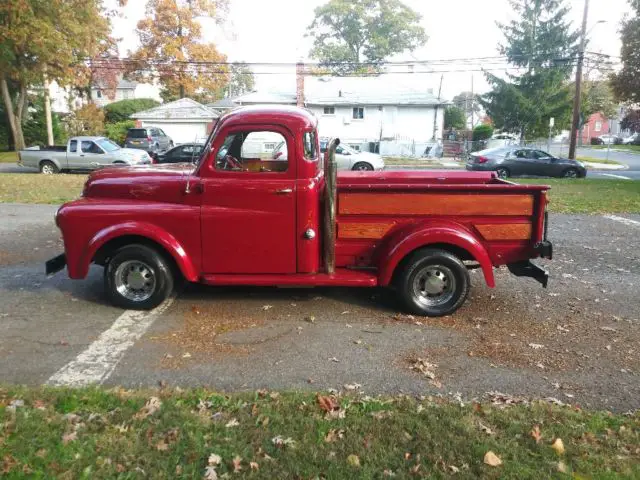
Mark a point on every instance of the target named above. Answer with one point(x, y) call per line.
point(434, 285)
point(363, 167)
point(135, 280)
point(571, 174)
point(502, 173)
point(47, 169)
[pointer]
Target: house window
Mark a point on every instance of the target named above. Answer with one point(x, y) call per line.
point(598, 126)
point(99, 93)
point(329, 110)
point(269, 147)
point(358, 113)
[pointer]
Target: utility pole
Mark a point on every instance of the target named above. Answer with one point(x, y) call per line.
point(472, 108)
point(47, 108)
point(576, 100)
point(435, 113)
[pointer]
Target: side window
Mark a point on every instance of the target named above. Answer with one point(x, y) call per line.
point(153, 132)
point(540, 154)
point(309, 146)
point(520, 154)
point(85, 146)
point(161, 133)
point(73, 146)
point(253, 151)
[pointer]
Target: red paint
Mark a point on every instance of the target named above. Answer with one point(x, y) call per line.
point(238, 228)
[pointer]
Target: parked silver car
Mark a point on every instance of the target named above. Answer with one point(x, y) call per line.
point(515, 160)
point(351, 159)
point(150, 139)
point(81, 153)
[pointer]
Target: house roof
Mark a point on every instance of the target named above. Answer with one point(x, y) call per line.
point(122, 84)
point(223, 103)
point(185, 108)
point(380, 90)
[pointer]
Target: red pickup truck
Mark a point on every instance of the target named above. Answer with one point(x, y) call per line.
point(244, 216)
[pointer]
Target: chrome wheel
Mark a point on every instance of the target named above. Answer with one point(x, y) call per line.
point(135, 280)
point(47, 169)
point(502, 173)
point(363, 167)
point(571, 173)
point(434, 285)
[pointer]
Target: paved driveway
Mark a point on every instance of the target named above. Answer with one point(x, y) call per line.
point(577, 341)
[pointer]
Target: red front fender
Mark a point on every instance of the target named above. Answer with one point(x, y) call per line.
point(404, 241)
point(141, 229)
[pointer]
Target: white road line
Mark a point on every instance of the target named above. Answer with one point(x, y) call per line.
point(99, 360)
point(615, 176)
point(626, 221)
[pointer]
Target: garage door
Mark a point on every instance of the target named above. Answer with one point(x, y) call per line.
point(182, 132)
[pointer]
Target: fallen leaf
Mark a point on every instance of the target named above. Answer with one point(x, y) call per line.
point(282, 442)
point(69, 437)
point(353, 460)
point(214, 459)
point(333, 435)
point(178, 469)
point(334, 359)
point(562, 468)
point(423, 366)
point(357, 342)
point(536, 346)
point(254, 465)
point(558, 446)
point(388, 473)
point(454, 469)
point(232, 423)
point(535, 433)
point(162, 446)
point(186, 355)
point(151, 407)
point(492, 459)
point(237, 464)
point(608, 329)
point(352, 386)
point(267, 307)
point(121, 468)
point(210, 473)
point(41, 453)
point(486, 429)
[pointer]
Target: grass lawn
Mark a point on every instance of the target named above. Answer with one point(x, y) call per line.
point(585, 195)
point(625, 148)
point(8, 157)
point(96, 433)
point(37, 188)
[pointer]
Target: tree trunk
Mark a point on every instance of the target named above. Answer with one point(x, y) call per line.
point(14, 115)
point(47, 110)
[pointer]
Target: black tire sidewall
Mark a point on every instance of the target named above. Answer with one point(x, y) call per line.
point(416, 262)
point(506, 170)
point(565, 172)
point(161, 270)
point(368, 169)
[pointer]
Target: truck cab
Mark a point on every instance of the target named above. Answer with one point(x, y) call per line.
point(245, 216)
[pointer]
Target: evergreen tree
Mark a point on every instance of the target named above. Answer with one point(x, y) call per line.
point(543, 45)
point(626, 83)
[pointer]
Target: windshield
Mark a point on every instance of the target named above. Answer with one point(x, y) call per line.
point(107, 145)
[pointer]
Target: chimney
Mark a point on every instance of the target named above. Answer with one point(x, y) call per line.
point(300, 84)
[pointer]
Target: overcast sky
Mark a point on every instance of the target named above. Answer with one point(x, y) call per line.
point(273, 31)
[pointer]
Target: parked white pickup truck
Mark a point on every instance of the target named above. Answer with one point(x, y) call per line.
point(81, 153)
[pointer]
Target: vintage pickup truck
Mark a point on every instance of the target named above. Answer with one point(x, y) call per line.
point(233, 219)
point(81, 153)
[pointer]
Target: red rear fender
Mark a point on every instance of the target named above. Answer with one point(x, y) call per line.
point(405, 241)
point(141, 229)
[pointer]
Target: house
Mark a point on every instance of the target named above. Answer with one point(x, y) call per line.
point(126, 90)
point(597, 124)
point(381, 114)
point(184, 120)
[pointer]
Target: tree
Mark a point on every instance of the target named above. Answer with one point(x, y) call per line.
point(171, 50)
point(631, 121)
point(37, 36)
point(35, 129)
point(118, 131)
point(626, 83)
point(542, 43)
point(597, 96)
point(363, 31)
point(454, 117)
point(241, 80)
point(86, 120)
point(123, 109)
point(482, 132)
point(468, 101)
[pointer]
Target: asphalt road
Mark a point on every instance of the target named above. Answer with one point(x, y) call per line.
point(576, 341)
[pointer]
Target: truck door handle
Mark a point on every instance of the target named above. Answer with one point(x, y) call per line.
point(284, 191)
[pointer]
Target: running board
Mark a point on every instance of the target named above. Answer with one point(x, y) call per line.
point(528, 269)
point(341, 278)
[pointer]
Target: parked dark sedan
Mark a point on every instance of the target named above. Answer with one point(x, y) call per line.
point(187, 152)
point(514, 161)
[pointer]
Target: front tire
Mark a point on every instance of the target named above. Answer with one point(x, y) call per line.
point(363, 167)
point(503, 173)
point(48, 168)
point(433, 282)
point(138, 278)
point(570, 173)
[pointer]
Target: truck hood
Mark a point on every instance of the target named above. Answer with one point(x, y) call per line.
point(149, 182)
point(130, 154)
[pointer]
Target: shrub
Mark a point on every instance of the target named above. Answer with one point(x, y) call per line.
point(118, 131)
point(120, 111)
point(86, 120)
point(482, 132)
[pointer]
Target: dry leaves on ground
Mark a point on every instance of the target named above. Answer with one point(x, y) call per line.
point(492, 459)
point(558, 446)
point(353, 460)
point(425, 367)
point(535, 433)
point(151, 407)
point(330, 405)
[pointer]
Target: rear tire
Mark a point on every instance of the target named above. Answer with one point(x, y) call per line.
point(48, 168)
point(363, 167)
point(503, 172)
point(433, 282)
point(138, 278)
point(570, 173)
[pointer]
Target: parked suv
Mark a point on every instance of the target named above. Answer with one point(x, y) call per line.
point(151, 139)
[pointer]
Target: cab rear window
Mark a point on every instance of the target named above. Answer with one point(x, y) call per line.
point(137, 133)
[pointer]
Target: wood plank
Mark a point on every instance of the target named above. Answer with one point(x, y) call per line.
point(434, 204)
point(364, 230)
point(505, 231)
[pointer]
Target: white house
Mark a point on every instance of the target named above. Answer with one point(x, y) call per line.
point(381, 114)
point(184, 120)
point(126, 90)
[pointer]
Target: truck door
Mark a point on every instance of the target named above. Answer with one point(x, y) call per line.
point(73, 155)
point(249, 202)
